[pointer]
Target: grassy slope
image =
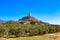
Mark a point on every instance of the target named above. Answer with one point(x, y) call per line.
point(43, 37)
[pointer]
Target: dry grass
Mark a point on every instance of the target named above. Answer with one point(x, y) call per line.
point(55, 36)
point(41, 37)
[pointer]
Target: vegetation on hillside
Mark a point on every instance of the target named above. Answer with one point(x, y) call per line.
point(17, 29)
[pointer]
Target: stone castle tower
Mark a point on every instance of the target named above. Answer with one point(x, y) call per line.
point(29, 14)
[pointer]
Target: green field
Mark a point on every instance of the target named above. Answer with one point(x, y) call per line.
point(41, 37)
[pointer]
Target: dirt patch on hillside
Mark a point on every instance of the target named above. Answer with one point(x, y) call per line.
point(55, 36)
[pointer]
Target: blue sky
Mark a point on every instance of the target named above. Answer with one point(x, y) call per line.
point(45, 10)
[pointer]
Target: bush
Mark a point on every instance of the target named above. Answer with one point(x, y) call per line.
point(2, 31)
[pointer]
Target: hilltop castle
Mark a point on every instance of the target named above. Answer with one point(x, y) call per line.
point(29, 18)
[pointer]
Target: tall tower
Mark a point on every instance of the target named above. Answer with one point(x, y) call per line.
point(29, 14)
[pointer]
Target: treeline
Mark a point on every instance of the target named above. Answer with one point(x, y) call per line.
point(16, 29)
